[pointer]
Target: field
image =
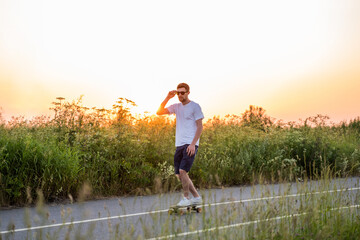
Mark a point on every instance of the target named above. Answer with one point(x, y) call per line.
point(117, 153)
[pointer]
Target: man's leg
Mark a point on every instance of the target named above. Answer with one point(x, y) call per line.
point(192, 189)
point(187, 184)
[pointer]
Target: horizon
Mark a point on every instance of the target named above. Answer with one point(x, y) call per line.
point(142, 115)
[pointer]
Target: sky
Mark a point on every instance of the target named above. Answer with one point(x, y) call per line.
point(295, 59)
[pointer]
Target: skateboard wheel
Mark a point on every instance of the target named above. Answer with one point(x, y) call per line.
point(198, 210)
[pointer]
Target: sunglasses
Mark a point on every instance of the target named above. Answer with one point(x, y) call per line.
point(180, 93)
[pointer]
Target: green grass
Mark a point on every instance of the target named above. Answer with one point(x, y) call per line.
point(118, 154)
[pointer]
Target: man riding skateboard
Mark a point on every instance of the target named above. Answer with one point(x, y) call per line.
point(188, 130)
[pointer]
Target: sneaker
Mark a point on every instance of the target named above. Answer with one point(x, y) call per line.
point(184, 202)
point(196, 201)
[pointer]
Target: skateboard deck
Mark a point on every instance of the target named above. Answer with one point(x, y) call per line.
point(186, 209)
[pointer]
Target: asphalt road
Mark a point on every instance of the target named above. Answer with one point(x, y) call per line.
point(147, 217)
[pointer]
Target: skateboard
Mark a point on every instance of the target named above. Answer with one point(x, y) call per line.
point(186, 209)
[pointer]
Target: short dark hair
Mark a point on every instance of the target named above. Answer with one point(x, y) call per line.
point(184, 85)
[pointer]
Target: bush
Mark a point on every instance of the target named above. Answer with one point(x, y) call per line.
point(27, 162)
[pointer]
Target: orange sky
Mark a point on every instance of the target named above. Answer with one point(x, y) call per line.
point(294, 58)
point(335, 94)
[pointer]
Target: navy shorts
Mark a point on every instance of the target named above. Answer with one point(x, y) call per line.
point(182, 160)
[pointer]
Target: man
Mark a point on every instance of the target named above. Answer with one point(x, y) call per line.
point(188, 130)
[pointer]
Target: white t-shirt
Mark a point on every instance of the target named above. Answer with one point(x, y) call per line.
point(186, 116)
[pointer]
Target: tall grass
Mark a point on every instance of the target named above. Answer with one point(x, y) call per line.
point(234, 153)
point(118, 153)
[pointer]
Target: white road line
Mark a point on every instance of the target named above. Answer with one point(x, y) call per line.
point(165, 210)
point(286, 196)
point(242, 224)
point(82, 221)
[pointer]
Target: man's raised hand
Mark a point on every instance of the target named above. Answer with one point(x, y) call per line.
point(171, 94)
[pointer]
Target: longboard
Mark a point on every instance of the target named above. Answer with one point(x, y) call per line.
point(182, 210)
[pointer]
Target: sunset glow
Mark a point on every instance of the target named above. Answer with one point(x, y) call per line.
point(293, 58)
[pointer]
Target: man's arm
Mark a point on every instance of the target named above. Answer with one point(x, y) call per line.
point(162, 110)
point(199, 127)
